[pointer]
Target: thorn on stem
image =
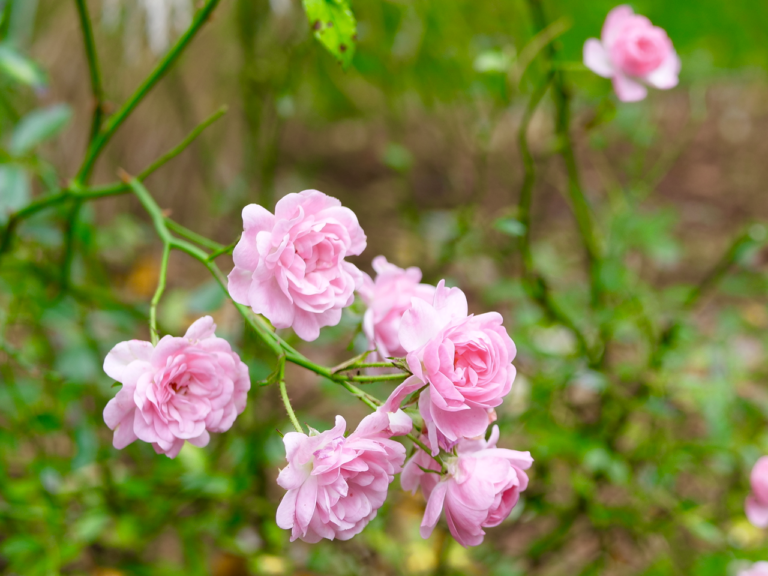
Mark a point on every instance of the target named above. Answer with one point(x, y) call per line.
point(124, 176)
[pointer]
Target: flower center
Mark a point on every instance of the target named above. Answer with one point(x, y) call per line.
point(178, 388)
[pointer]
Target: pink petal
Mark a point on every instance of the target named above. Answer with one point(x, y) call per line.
point(665, 76)
point(419, 325)
point(201, 328)
point(411, 384)
point(450, 303)
point(286, 511)
point(246, 254)
point(292, 477)
point(400, 423)
point(257, 218)
point(239, 284)
point(628, 90)
point(123, 354)
point(268, 299)
point(306, 502)
point(461, 424)
point(200, 441)
point(757, 513)
point(306, 324)
point(124, 433)
point(613, 23)
point(596, 58)
point(119, 407)
point(172, 451)
point(434, 509)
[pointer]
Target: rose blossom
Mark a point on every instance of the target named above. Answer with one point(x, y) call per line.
point(756, 505)
point(481, 487)
point(633, 52)
point(290, 266)
point(466, 360)
point(179, 390)
point(387, 298)
point(757, 569)
point(336, 485)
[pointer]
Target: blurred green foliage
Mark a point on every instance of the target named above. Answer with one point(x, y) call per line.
point(642, 454)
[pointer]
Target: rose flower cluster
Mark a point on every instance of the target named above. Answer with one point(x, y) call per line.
point(291, 268)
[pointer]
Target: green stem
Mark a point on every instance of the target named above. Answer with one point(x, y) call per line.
point(93, 67)
point(116, 120)
point(535, 284)
point(578, 200)
point(420, 444)
point(378, 378)
point(223, 250)
point(363, 365)
point(286, 400)
point(158, 293)
point(69, 244)
point(181, 146)
point(185, 232)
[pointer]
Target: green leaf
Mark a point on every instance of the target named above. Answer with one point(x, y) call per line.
point(334, 25)
point(14, 190)
point(509, 226)
point(21, 69)
point(38, 126)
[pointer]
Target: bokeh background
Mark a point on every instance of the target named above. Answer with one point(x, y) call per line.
point(640, 468)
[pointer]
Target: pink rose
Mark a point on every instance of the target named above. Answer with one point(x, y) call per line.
point(756, 505)
point(290, 266)
point(466, 360)
point(633, 52)
point(179, 390)
point(757, 569)
point(387, 298)
point(336, 485)
point(481, 487)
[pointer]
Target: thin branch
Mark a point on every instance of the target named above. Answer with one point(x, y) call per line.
point(579, 203)
point(754, 235)
point(535, 284)
point(363, 365)
point(95, 192)
point(69, 245)
point(193, 236)
point(286, 400)
point(378, 377)
point(116, 120)
point(181, 146)
point(223, 250)
point(159, 293)
point(97, 88)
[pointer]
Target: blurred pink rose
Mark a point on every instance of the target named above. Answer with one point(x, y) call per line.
point(757, 569)
point(466, 360)
point(633, 52)
point(756, 505)
point(387, 298)
point(336, 485)
point(481, 487)
point(290, 266)
point(182, 389)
